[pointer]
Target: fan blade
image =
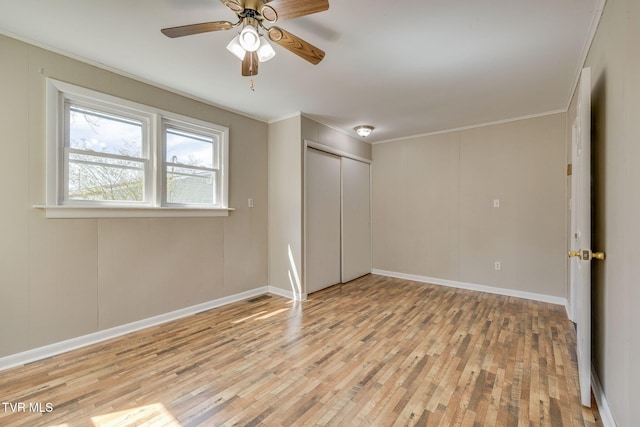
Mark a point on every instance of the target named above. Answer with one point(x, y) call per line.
point(205, 27)
point(289, 9)
point(296, 45)
point(236, 6)
point(250, 64)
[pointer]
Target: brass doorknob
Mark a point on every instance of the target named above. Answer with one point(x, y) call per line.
point(586, 254)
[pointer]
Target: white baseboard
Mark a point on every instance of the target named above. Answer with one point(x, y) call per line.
point(601, 400)
point(85, 340)
point(473, 287)
point(286, 294)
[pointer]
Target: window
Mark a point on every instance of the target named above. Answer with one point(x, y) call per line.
point(191, 165)
point(110, 157)
point(106, 156)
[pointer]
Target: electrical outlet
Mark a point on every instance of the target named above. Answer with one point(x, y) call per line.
point(497, 266)
point(496, 203)
point(250, 202)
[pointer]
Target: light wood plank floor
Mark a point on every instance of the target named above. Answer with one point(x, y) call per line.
point(376, 351)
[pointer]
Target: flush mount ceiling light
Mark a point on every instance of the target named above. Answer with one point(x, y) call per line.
point(251, 46)
point(363, 130)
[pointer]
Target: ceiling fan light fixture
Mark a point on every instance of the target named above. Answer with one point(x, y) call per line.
point(249, 38)
point(265, 51)
point(363, 130)
point(251, 46)
point(235, 48)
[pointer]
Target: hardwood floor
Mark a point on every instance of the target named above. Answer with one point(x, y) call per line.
point(376, 351)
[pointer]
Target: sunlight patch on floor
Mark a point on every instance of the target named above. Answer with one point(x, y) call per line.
point(149, 415)
point(273, 313)
point(249, 317)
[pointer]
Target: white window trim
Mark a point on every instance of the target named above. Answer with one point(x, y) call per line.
point(57, 93)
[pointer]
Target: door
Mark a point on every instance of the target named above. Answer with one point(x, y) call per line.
point(580, 238)
point(356, 219)
point(323, 220)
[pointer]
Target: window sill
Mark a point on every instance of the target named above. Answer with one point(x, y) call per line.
point(130, 212)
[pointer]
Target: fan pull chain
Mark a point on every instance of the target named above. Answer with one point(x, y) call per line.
point(251, 85)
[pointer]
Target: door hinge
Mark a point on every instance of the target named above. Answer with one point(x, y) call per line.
point(569, 169)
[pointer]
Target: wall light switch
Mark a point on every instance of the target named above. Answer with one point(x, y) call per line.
point(496, 203)
point(250, 202)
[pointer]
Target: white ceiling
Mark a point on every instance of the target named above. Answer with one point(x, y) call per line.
point(407, 67)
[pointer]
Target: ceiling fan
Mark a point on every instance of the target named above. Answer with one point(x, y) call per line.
point(250, 45)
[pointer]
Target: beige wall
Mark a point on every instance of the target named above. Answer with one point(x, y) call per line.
point(416, 186)
point(286, 194)
point(321, 134)
point(614, 60)
point(433, 213)
point(64, 278)
point(285, 205)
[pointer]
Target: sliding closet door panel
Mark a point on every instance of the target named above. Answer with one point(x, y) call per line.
point(356, 219)
point(323, 220)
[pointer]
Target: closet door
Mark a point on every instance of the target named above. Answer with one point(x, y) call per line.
point(323, 220)
point(356, 219)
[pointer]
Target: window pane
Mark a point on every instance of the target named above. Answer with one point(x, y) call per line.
point(104, 133)
point(185, 185)
point(190, 149)
point(103, 178)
